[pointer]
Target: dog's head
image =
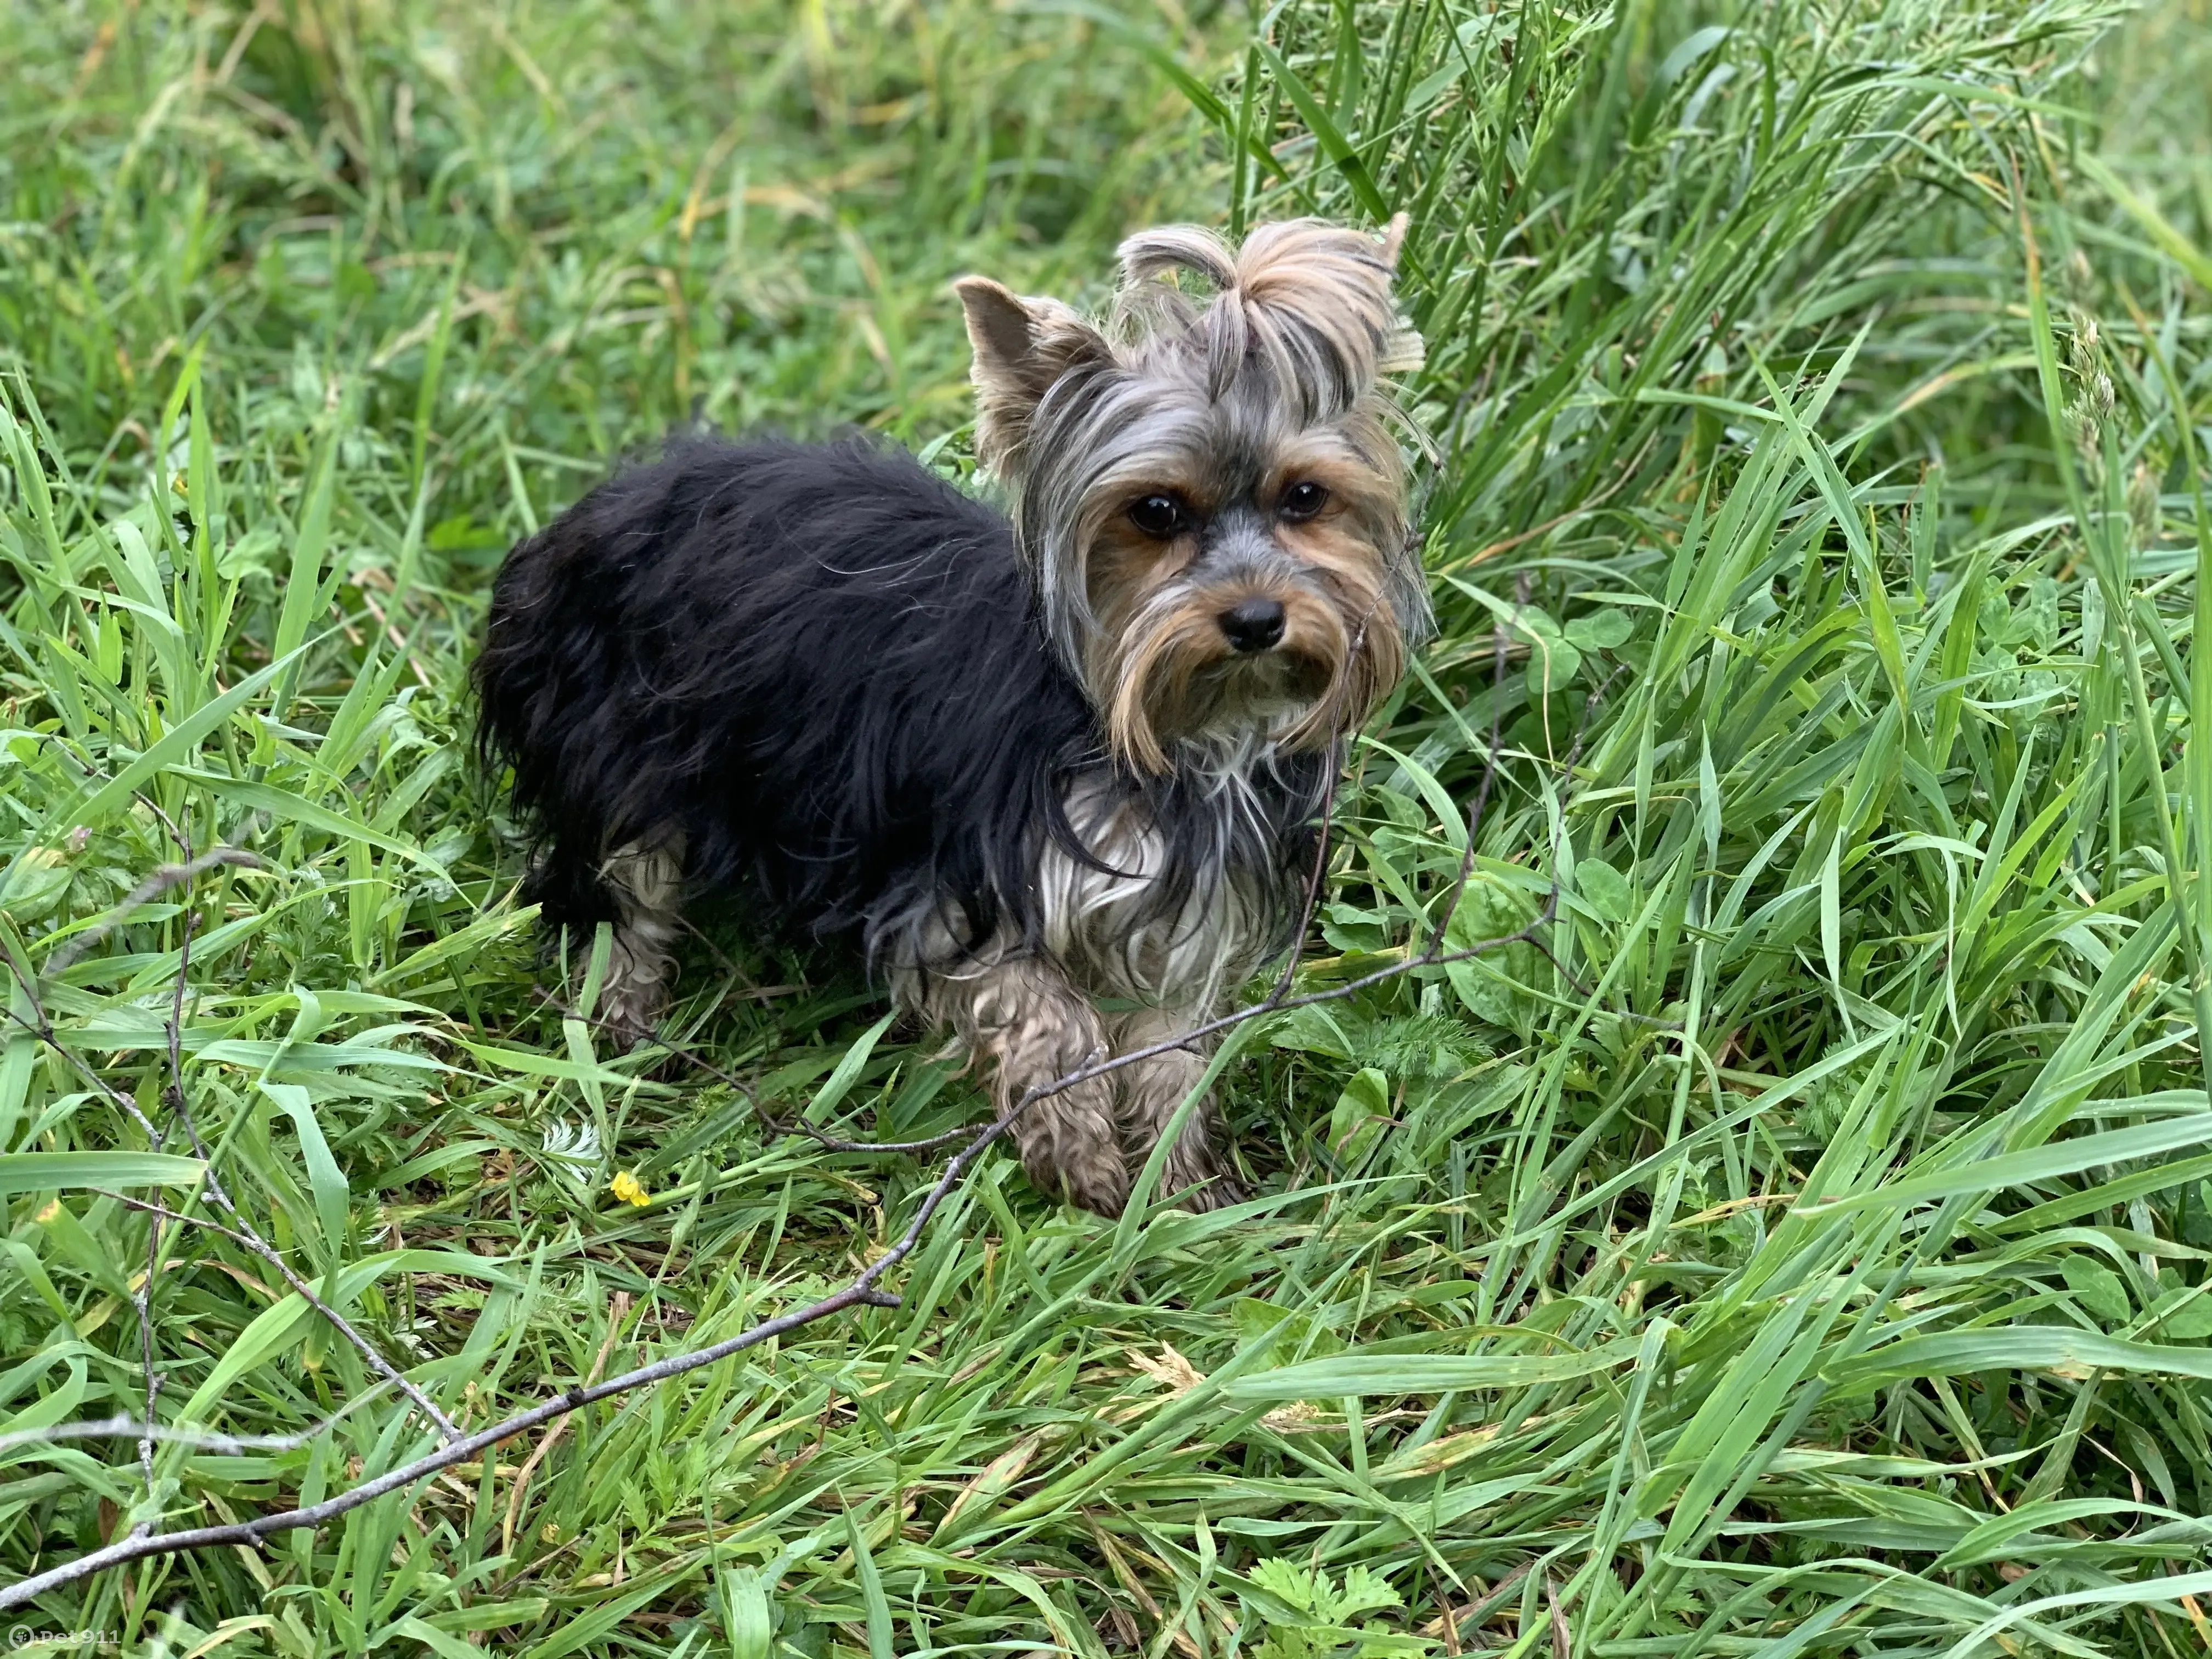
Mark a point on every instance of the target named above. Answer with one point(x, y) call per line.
point(1208, 490)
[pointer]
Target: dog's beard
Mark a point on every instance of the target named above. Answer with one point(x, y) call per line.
point(1168, 679)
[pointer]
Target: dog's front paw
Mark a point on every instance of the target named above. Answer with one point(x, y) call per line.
point(1201, 1186)
point(631, 1015)
point(1093, 1178)
point(1103, 1190)
point(1217, 1191)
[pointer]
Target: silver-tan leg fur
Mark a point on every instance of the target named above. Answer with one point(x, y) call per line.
point(1152, 1090)
point(1021, 1019)
point(647, 881)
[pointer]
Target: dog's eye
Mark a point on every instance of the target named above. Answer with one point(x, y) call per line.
point(1302, 501)
point(1160, 517)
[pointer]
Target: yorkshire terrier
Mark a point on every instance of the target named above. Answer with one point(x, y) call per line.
point(1056, 771)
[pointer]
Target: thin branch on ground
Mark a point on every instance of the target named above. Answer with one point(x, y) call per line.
point(861, 1292)
point(41, 1025)
point(175, 1434)
point(212, 1188)
point(142, 1300)
point(168, 876)
point(147, 1207)
point(618, 1311)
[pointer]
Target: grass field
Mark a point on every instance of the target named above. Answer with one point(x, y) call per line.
point(1809, 1253)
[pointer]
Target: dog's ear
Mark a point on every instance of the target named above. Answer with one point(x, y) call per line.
point(1022, 346)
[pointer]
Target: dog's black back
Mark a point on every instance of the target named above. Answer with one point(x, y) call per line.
point(816, 662)
point(821, 664)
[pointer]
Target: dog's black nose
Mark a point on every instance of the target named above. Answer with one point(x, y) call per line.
point(1254, 625)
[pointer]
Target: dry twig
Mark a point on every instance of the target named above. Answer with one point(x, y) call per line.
point(41, 1025)
point(168, 876)
point(862, 1292)
point(618, 1310)
point(173, 1434)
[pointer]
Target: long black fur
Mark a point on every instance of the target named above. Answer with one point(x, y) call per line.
point(821, 664)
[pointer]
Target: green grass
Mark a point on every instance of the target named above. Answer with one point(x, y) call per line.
point(1808, 1256)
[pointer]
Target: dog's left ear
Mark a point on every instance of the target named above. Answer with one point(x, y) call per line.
point(1022, 346)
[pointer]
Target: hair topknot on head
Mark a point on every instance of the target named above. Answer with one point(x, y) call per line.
point(1309, 300)
point(1301, 315)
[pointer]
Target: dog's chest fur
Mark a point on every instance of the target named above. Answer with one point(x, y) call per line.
point(1191, 901)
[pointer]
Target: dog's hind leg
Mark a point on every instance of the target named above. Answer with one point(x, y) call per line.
point(1031, 1027)
point(1154, 1090)
point(646, 878)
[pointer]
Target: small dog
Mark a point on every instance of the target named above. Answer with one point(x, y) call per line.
point(1025, 763)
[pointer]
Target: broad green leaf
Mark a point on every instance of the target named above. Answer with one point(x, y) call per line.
point(1390, 1375)
point(324, 1179)
point(2049, 1162)
point(38, 1172)
point(2070, 1353)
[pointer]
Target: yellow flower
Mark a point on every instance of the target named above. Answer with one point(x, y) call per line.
point(627, 1188)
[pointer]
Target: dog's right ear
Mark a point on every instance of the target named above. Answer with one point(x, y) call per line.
point(1022, 346)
